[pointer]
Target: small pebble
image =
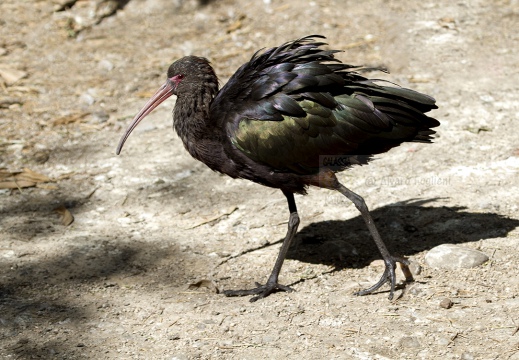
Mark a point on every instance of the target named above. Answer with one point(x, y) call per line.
point(415, 268)
point(488, 99)
point(446, 303)
point(269, 338)
point(409, 342)
point(87, 99)
point(178, 357)
point(100, 116)
point(106, 65)
point(443, 341)
point(415, 289)
point(467, 356)
point(41, 156)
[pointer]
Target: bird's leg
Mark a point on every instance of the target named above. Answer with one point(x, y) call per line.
point(389, 260)
point(272, 284)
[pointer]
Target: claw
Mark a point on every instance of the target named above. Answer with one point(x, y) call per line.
point(389, 275)
point(261, 291)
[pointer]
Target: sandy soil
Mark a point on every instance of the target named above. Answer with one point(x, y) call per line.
point(156, 234)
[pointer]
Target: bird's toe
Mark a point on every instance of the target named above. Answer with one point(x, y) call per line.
point(389, 275)
point(261, 291)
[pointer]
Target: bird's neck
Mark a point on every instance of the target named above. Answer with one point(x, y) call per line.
point(192, 122)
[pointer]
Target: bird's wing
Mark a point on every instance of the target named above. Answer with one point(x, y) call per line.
point(294, 106)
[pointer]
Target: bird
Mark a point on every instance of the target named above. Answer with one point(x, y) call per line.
point(292, 117)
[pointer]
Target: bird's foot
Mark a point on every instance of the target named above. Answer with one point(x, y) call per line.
point(260, 291)
point(390, 276)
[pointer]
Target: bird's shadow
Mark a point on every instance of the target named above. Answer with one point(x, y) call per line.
point(407, 228)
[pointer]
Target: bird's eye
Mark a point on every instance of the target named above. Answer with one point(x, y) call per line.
point(177, 78)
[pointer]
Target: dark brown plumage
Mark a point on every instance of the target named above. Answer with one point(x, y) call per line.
point(289, 118)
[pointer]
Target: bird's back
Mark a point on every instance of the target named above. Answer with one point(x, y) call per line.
point(291, 106)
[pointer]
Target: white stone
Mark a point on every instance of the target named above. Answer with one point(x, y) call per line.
point(449, 256)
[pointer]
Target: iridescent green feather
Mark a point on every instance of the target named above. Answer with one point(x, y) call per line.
point(295, 143)
point(356, 129)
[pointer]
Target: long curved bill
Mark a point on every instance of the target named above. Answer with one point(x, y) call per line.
point(164, 92)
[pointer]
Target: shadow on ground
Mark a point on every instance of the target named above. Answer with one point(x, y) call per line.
point(407, 229)
point(39, 297)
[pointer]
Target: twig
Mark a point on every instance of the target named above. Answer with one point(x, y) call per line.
point(213, 218)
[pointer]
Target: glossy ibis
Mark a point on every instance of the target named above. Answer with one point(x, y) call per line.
point(289, 118)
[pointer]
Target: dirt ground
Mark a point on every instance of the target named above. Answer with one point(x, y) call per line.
point(156, 234)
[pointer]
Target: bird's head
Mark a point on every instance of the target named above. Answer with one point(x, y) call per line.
point(190, 74)
point(187, 76)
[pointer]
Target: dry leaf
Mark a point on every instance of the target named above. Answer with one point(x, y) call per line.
point(66, 216)
point(67, 119)
point(448, 23)
point(11, 75)
point(145, 94)
point(420, 78)
point(236, 25)
point(204, 283)
point(47, 186)
point(65, 176)
point(5, 102)
point(367, 40)
point(21, 179)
